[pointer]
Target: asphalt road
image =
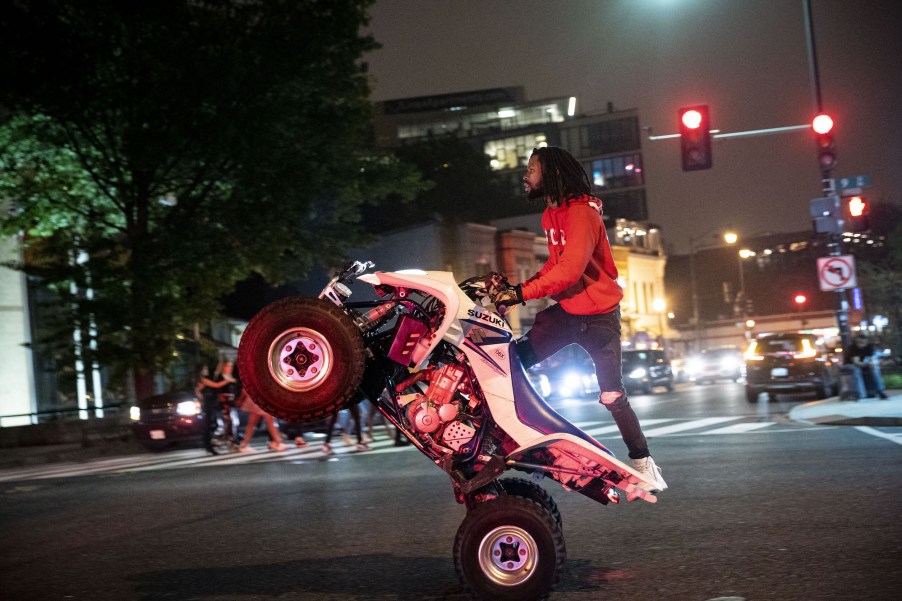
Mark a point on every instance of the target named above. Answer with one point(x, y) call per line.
point(758, 509)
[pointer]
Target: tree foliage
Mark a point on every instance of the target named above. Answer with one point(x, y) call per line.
point(157, 152)
point(880, 272)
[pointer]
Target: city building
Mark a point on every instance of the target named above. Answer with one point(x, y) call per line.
point(507, 127)
point(17, 398)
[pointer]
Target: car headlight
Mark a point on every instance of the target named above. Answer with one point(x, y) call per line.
point(134, 413)
point(572, 380)
point(693, 367)
point(729, 364)
point(188, 408)
point(637, 374)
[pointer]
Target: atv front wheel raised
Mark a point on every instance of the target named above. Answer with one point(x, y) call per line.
point(301, 359)
point(509, 549)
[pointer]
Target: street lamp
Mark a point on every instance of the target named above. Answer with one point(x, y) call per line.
point(729, 237)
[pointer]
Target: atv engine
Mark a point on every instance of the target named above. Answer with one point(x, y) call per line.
point(441, 413)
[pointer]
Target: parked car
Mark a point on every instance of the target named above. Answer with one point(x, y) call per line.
point(164, 420)
point(643, 370)
point(789, 363)
point(715, 364)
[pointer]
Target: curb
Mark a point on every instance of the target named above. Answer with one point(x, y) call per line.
point(849, 413)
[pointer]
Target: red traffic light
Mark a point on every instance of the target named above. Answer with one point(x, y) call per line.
point(856, 214)
point(857, 206)
point(695, 137)
point(822, 124)
point(691, 119)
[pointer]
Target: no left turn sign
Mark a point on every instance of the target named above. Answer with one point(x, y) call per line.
point(837, 273)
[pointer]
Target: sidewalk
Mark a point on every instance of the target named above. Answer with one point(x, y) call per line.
point(866, 412)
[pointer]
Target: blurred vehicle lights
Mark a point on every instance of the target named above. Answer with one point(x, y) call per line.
point(134, 413)
point(188, 408)
point(729, 363)
point(544, 385)
point(807, 350)
point(637, 373)
point(751, 354)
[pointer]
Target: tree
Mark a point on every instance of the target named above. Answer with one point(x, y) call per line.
point(880, 271)
point(157, 152)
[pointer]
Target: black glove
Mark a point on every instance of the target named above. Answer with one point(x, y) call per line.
point(502, 293)
point(512, 295)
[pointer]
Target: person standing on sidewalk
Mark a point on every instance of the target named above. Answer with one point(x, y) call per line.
point(205, 392)
point(581, 276)
point(861, 357)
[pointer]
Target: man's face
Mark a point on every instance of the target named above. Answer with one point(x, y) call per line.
point(532, 180)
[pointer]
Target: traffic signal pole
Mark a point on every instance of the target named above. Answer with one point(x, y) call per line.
point(827, 160)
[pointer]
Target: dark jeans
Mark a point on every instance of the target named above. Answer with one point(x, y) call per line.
point(599, 335)
point(211, 412)
point(354, 410)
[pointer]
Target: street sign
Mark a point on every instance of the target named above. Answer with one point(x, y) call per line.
point(856, 181)
point(837, 273)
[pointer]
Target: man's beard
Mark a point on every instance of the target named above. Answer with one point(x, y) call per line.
point(536, 193)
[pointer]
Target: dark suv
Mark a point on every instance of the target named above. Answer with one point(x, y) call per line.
point(788, 363)
point(643, 370)
point(164, 420)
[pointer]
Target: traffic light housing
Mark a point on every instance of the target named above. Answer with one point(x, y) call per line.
point(822, 125)
point(695, 137)
point(826, 216)
point(856, 213)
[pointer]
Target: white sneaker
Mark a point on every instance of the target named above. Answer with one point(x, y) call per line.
point(651, 472)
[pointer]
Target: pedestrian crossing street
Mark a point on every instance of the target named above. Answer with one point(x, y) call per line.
point(197, 458)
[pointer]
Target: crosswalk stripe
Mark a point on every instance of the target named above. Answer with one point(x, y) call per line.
point(740, 428)
point(690, 425)
point(609, 429)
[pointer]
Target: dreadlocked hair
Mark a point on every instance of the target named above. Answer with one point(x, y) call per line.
point(563, 177)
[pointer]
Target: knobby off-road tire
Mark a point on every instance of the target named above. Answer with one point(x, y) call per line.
point(301, 359)
point(520, 487)
point(509, 549)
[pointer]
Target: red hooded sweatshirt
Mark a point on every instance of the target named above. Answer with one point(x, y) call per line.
point(580, 273)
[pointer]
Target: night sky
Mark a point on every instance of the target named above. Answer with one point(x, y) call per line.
point(746, 59)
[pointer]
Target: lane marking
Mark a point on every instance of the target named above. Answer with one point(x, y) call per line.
point(892, 437)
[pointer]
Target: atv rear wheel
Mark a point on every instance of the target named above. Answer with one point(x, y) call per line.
point(301, 359)
point(509, 549)
point(520, 487)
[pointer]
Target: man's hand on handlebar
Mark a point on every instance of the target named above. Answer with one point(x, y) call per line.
point(502, 292)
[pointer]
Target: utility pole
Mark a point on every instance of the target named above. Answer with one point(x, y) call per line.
point(823, 127)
